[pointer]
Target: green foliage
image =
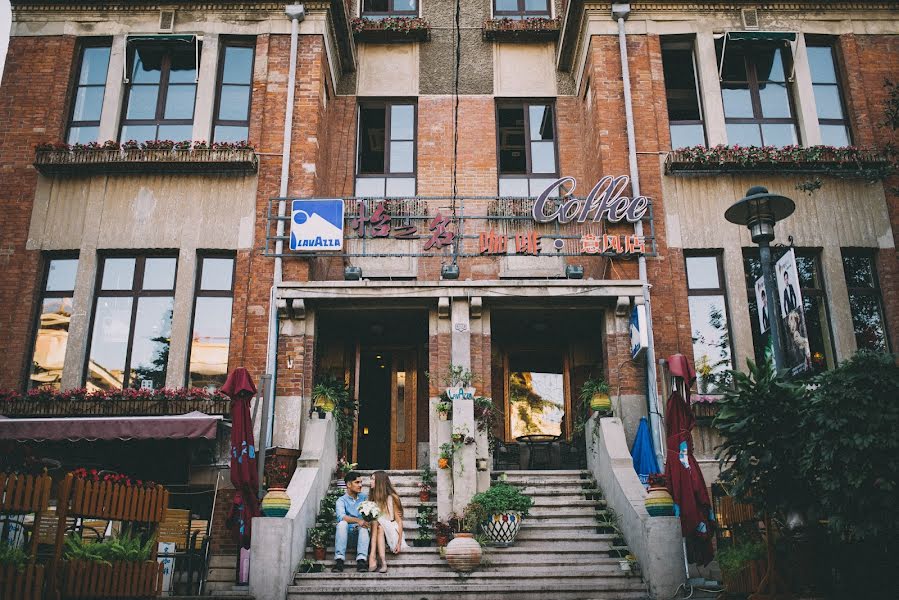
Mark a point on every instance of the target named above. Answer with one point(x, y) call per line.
point(123, 548)
point(760, 423)
point(850, 444)
point(318, 536)
point(487, 418)
point(447, 450)
point(455, 375)
point(500, 498)
point(593, 385)
point(732, 560)
point(10, 555)
point(428, 476)
point(444, 407)
point(332, 395)
point(425, 520)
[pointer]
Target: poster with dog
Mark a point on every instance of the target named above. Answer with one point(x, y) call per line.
point(797, 353)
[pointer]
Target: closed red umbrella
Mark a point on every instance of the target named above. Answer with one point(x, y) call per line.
point(685, 481)
point(244, 474)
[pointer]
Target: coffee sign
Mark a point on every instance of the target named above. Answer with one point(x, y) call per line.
point(605, 202)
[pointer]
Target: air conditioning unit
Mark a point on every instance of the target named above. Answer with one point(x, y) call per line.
point(166, 21)
point(750, 17)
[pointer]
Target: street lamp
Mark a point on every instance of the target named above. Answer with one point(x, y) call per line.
point(759, 211)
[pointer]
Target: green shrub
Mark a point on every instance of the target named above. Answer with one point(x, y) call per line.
point(125, 548)
point(500, 498)
point(10, 555)
point(732, 560)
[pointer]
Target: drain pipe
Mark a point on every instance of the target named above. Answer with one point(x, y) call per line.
point(620, 12)
point(296, 12)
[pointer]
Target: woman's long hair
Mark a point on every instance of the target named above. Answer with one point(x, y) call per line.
point(382, 490)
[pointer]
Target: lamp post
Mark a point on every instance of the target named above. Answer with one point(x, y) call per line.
point(759, 211)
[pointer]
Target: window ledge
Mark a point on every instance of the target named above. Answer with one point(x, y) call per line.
point(535, 29)
point(391, 29)
point(849, 162)
point(112, 162)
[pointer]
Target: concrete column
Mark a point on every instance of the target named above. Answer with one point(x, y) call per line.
point(464, 471)
point(114, 94)
point(838, 302)
point(444, 476)
point(804, 96)
point(710, 89)
point(176, 372)
point(290, 408)
point(206, 88)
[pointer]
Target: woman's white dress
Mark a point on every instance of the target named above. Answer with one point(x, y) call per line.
point(391, 531)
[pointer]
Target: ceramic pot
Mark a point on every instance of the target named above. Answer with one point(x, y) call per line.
point(501, 528)
point(443, 463)
point(319, 553)
point(443, 416)
point(601, 403)
point(463, 553)
point(441, 540)
point(659, 502)
point(276, 502)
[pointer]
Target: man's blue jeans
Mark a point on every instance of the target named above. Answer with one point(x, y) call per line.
point(346, 533)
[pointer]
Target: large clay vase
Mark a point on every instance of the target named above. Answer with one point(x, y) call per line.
point(276, 502)
point(501, 528)
point(659, 502)
point(463, 553)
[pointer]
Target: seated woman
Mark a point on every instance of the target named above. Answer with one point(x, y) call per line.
point(387, 531)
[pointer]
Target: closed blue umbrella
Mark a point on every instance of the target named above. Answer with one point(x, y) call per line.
point(645, 463)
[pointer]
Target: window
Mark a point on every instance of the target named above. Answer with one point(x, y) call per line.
point(527, 148)
point(682, 93)
point(536, 394)
point(161, 92)
point(828, 97)
point(90, 87)
point(211, 333)
point(865, 300)
point(132, 322)
point(814, 301)
point(232, 102)
point(712, 353)
point(757, 106)
point(386, 159)
point(52, 334)
point(389, 8)
point(520, 9)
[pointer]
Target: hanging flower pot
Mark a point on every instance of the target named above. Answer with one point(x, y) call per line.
point(463, 553)
point(276, 502)
point(443, 463)
point(601, 403)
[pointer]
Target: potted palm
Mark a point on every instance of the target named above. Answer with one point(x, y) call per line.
point(499, 510)
point(595, 394)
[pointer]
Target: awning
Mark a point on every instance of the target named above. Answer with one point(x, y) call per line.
point(761, 36)
point(195, 425)
point(163, 38)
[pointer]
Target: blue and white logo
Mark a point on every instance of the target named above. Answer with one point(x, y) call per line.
point(316, 225)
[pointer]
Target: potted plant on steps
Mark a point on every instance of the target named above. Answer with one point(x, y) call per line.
point(595, 394)
point(499, 510)
point(318, 538)
point(443, 533)
point(425, 520)
point(428, 478)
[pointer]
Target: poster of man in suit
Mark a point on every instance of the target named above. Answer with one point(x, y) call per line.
point(797, 352)
point(761, 300)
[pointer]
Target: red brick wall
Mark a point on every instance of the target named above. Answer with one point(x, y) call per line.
point(221, 541)
point(32, 110)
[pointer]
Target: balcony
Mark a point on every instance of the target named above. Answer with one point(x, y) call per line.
point(111, 159)
point(391, 29)
point(521, 30)
point(47, 402)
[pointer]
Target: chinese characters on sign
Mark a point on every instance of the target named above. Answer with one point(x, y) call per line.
point(491, 243)
point(380, 224)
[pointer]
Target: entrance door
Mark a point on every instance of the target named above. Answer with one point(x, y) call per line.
point(403, 385)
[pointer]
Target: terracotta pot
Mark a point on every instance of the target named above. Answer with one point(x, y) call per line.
point(442, 540)
point(659, 502)
point(318, 553)
point(443, 416)
point(424, 496)
point(463, 553)
point(276, 502)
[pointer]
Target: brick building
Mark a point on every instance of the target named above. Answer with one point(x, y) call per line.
point(124, 268)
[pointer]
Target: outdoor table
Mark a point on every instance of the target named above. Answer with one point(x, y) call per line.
point(539, 448)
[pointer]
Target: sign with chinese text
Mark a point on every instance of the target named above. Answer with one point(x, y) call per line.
point(316, 225)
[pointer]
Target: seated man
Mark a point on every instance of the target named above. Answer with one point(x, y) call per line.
point(350, 526)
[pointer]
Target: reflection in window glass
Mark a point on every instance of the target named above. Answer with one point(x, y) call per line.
point(389, 154)
point(109, 343)
point(682, 94)
point(159, 273)
point(865, 300)
point(118, 274)
point(527, 146)
point(217, 274)
point(151, 340)
point(828, 96)
point(84, 124)
point(61, 275)
point(211, 334)
point(536, 403)
point(709, 324)
point(52, 335)
point(232, 120)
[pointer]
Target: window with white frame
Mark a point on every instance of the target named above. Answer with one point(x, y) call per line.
point(682, 93)
point(527, 147)
point(385, 161)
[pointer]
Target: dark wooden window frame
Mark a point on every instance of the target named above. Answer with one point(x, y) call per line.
point(41, 294)
point(135, 293)
point(752, 82)
point(391, 11)
point(199, 292)
point(162, 97)
point(526, 103)
point(224, 44)
point(84, 44)
point(682, 43)
point(568, 401)
point(830, 42)
point(386, 105)
point(874, 290)
point(521, 12)
point(718, 255)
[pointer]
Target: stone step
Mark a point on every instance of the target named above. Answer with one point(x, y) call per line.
point(541, 473)
point(463, 589)
point(555, 481)
point(499, 556)
point(437, 573)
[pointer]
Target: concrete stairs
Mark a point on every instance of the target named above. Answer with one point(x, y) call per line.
point(560, 553)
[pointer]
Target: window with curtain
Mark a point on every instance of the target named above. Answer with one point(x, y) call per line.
point(528, 156)
point(521, 9)
point(52, 328)
point(682, 93)
point(90, 88)
point(210, 337)
point(829, 103)
point(132, 322)
point(758, 107)
point(385, 163)
point(235, 86)
point(865, 300)
point(709, 322)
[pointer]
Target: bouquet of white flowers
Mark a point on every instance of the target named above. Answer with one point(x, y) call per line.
point(369, 511)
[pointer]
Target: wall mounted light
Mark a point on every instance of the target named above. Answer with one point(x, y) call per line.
point(574, 271)
point(449, 271)
point(352, 273)
point(290, 361)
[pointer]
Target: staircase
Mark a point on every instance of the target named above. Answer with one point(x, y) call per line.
point(558, 553)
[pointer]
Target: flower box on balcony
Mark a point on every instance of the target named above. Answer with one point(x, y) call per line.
point(238, 161)
point(119, 579)
point(849, 162)
point(47, 402)
point(535, 29)
point(391, 29)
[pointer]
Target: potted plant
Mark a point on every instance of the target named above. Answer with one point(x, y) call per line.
point(328, 393)
point(499, 510)
point(595, 394)
point(659, 502)
point(424, 492)
point(310, 566)
point(443, 410)
point(425, 520)
point(443, 533)
point(742, 567)
point(343, 467)
point(318, 538)
point(446, 456)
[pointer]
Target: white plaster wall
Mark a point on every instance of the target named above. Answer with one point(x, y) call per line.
point(388, 70)
point(524, 70)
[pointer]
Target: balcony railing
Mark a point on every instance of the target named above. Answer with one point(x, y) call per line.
point(126, 161)
point(535, 29)
point(101, 405)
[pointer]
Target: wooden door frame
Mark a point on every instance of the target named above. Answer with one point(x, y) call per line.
point(568, 401)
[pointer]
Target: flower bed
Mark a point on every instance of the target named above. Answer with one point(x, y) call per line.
point(157, 156)
point(391, 29)
point(848, 161)
point(128, 402)
point(521, 30)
